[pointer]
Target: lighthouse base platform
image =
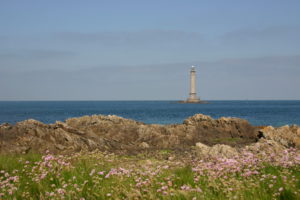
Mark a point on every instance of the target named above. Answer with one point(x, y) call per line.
point(195, 101)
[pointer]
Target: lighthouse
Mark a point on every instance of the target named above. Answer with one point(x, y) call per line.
point(193, 92)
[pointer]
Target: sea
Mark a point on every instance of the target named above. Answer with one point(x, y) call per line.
point(275, 113)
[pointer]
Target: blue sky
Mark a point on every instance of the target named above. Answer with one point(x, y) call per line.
point(143, 50)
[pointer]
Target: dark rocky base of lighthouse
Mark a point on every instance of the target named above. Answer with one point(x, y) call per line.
point(194, 102)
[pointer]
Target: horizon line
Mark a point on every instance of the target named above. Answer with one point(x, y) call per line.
point(156, 100)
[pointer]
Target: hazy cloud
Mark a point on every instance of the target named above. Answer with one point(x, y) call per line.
point(276, 35)
point(20, 59)
point(147, 37)
point(36, 54)
point(249, 78)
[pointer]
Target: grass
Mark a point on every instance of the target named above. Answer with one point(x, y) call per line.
point(98, 175)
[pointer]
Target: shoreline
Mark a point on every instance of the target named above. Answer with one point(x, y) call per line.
point(275, 113)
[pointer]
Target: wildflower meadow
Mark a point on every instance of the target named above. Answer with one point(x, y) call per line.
point(102, 175)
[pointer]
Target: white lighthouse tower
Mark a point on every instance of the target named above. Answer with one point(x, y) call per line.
point(193, 92)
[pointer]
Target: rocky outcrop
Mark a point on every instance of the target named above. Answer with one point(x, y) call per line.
point(224, 130)
point(218, 150)
point(271, 141)
point(116, 134)
point(267, 146)
point(288, 136)
point(113, 133)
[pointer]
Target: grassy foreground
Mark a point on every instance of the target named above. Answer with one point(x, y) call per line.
point(98, 175)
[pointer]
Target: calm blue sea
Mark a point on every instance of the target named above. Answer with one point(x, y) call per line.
point(274, 113)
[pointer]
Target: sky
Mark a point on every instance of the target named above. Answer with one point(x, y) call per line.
point(143, 50)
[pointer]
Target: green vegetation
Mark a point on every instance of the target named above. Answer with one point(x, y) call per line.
point(98, 175)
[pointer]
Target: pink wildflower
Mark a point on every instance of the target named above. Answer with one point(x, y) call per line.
point(101, 173)
point(61, 191)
